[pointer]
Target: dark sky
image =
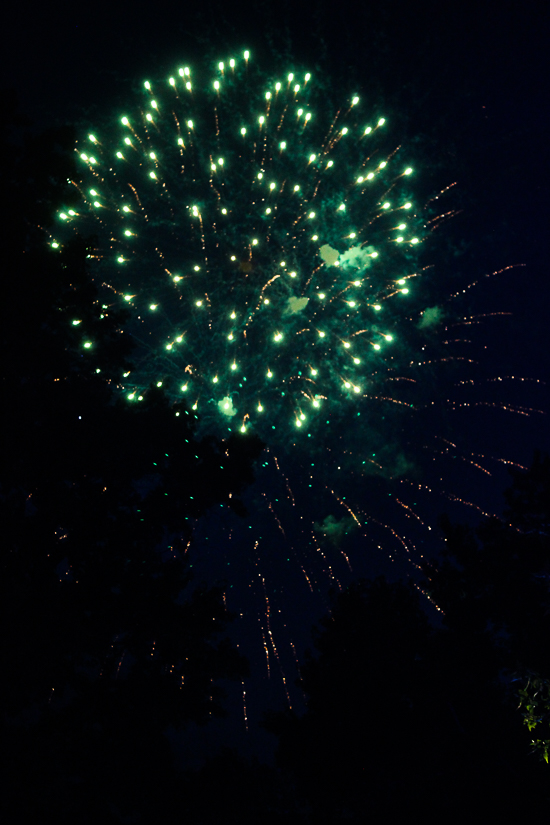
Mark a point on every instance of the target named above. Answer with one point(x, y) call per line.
point(472, 81)
point(467, 83)
point(470, 78)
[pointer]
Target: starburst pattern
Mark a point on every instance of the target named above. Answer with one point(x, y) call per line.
point(271, 253)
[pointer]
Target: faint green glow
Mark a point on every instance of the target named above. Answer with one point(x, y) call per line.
point(304, 192)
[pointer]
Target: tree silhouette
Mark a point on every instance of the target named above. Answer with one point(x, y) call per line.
point(107, 643)
point(409, 720)
point(493, 585)
point(347, 752)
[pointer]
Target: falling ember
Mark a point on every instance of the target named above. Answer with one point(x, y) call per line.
point(272, 254)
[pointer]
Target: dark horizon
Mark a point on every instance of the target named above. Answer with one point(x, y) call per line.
point(467, 91)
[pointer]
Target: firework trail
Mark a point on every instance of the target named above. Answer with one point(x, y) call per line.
point(271, 253)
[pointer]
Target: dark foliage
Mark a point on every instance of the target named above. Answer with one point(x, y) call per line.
point(406, 720)
point(106, 642)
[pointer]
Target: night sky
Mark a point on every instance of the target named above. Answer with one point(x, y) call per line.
point(471, 82)
point(467, 80)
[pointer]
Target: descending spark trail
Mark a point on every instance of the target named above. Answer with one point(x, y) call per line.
point(270, 254)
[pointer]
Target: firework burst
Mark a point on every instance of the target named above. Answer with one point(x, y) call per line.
point(271, 254)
